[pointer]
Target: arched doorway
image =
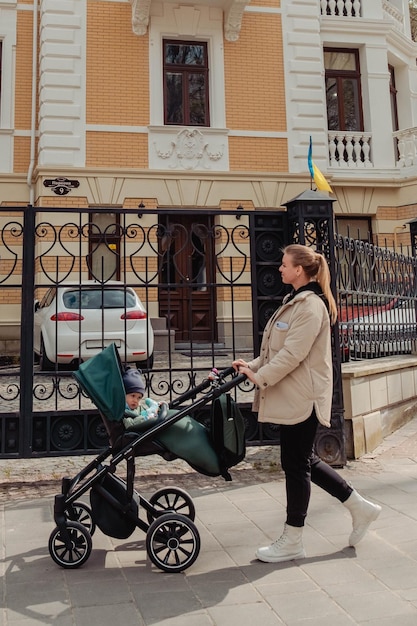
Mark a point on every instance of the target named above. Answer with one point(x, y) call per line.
point(187, 287)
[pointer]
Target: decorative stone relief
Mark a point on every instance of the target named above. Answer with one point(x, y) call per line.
point(189, 150)
point(232, 18)
point(140, 16)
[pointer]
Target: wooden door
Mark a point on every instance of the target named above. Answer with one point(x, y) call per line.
point(187, 289)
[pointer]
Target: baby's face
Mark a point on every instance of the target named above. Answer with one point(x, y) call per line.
point(133, 399)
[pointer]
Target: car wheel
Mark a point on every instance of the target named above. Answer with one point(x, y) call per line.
point(147, 364)
point(44, 363)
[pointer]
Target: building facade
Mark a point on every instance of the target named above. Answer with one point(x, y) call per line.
point(209, 106)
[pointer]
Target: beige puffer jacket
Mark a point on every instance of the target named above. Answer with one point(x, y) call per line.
point(294, 368)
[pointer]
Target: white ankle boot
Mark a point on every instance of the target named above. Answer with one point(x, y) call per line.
point(363, 514)
point(289, 546)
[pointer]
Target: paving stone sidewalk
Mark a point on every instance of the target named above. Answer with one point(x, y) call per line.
point(373, 584)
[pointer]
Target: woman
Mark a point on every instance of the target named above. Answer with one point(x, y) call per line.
point(293, 378)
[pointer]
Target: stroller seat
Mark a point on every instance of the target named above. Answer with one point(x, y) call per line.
point(119, 438)
point(101, 378)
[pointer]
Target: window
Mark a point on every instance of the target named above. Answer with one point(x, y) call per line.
point(87, 298)
point(186, 83)
point(104, 247)
point(343, 90)
point(393, 97)
point(355, 227)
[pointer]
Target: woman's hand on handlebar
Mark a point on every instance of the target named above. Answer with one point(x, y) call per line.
point(241, 366)
point(238, 364)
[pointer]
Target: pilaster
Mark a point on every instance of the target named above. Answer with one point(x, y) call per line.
point(62, 83)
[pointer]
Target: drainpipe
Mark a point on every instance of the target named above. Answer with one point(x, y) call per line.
point(33, 109)
point(396, 230)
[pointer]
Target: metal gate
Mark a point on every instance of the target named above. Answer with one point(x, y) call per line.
point(43, 412)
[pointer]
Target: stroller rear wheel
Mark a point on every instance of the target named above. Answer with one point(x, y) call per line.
point(172, 542)
point(172, 499)
point(80, 512)
point(70, 546)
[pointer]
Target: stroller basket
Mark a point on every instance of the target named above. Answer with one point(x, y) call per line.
point(116, 508)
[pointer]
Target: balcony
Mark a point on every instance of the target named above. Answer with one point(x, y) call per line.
point(407, 147)
point(354, 150)
point(350, 150)
point(392, 11)
point(341, 8)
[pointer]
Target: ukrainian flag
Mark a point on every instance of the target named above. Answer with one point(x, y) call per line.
point(318, 178)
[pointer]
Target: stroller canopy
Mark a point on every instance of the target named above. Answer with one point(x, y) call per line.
point(101, 378)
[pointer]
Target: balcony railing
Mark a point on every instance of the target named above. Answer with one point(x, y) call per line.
point(358, 8)
point(341, 8)
point(352, 150)
point(407, 146)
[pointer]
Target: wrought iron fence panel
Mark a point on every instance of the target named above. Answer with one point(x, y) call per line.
point(194, 273)
point(377, 300)
point(42, 408)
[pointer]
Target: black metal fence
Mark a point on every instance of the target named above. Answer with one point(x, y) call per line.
point(193, 276)
point(377, 300)
point(209, 282)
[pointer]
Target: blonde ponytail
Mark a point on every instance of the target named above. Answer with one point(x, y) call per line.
point(323, 279)
point(315, 266)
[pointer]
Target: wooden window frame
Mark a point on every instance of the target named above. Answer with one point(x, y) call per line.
point(186, 70)
point(339, 76)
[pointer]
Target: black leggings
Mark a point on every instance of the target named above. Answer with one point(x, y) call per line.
point(302, 466)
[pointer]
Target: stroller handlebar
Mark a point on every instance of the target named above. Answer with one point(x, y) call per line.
point(226, 372)
point(226, 386)
point(215, 378)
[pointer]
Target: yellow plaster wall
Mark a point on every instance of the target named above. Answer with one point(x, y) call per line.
point(117, 87)
point(255, 98)
point(117, 67)
point(117, 150)
point(258, 154)
point(23, 90)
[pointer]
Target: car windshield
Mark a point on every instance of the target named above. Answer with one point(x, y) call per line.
point(98, 298)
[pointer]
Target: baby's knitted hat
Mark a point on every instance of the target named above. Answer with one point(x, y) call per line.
point(133, 382)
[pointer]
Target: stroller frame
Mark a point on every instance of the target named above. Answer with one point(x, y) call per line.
point(172, 538)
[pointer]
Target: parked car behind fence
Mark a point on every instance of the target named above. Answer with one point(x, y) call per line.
point(380, 329)
point(73, 323)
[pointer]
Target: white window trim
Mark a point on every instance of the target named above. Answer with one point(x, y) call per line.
point(187, 23)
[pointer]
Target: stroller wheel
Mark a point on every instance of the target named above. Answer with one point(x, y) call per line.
point(172, 499)
point(80, 512)
point(70, 546)
point(172, 542)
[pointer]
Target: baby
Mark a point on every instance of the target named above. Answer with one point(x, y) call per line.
point(139, 409)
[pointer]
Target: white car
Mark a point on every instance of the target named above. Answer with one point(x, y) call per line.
point(73, 323)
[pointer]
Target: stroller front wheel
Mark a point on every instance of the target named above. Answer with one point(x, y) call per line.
point(80, 512)
point(172, 542)
point(70, 546)
point(172, 499)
